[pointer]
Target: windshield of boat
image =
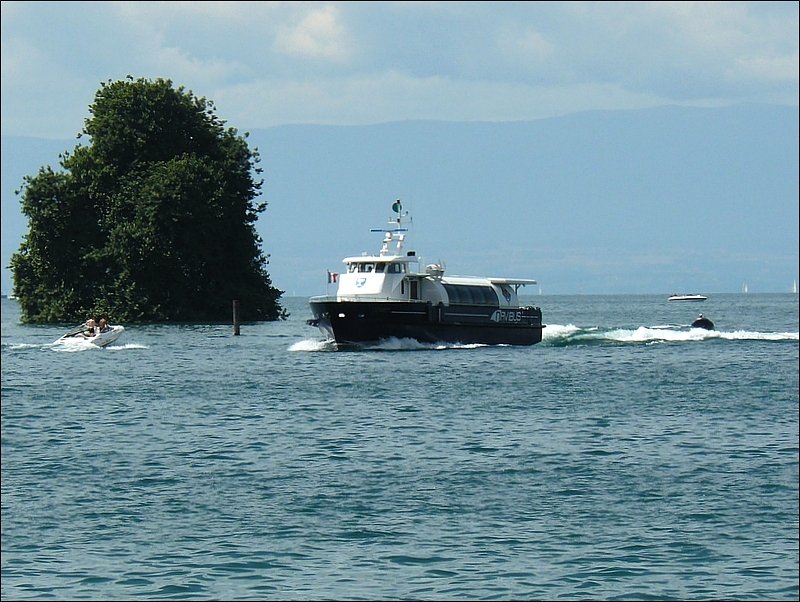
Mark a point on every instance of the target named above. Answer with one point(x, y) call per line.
point(378, 267)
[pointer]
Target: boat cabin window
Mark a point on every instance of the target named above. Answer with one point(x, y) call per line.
point(362, 266)
point(469, 294)
point(379, 267)
point(396, 268)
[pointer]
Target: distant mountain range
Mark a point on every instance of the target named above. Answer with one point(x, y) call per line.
point(663, 200)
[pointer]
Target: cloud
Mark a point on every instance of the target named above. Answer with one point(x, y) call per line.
point(264, 63)
point(770, 68)
point(688, 50)
point(318, 35)
point(363, 100)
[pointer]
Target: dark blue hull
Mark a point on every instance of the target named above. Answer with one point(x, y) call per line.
point(355, 322)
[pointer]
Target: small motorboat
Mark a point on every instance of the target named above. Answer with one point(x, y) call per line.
point(101, 338)
point(703, 322)
point(686, 298)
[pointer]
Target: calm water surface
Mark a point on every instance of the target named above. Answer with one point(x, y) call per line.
point(625, 457)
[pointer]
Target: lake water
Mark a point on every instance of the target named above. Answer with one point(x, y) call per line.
point(625, 457)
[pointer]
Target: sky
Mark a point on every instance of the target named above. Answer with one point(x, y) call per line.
point(266, 64)
point(348, 63)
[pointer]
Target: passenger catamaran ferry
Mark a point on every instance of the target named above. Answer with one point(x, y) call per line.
point(388, 295)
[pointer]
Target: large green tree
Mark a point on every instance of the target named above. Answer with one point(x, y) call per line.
point(152, 220)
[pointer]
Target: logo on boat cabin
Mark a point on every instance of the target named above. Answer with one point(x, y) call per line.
point(505, 316)
point(360, 282)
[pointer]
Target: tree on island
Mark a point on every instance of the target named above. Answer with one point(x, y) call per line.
point(153, 221)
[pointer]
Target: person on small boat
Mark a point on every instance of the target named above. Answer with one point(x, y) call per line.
point(703, 322)
point(103, 326)
point(90, 329)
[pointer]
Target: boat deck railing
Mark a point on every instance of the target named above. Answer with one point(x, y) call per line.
point(364, 298)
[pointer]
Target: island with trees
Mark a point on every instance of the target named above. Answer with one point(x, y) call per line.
point(152, 221)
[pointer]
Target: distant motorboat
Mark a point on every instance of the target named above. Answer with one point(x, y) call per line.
point(687, 298)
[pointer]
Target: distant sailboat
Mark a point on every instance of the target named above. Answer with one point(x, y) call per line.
point(794, 287)
point(744, 287)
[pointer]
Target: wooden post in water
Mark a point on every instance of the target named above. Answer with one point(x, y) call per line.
point(236, 317)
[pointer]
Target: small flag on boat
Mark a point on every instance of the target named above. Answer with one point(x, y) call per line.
point(332, 276)
point(397, 206)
